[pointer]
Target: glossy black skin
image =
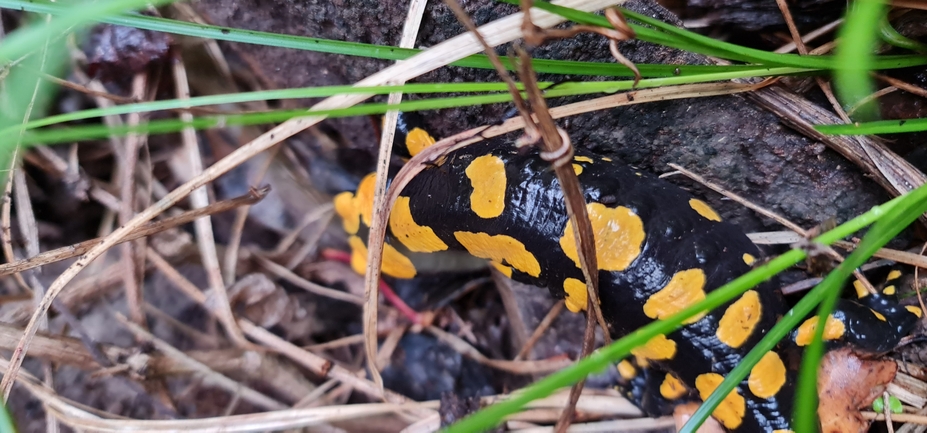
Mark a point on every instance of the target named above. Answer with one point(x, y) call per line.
point(677, 238)
point(899, 322)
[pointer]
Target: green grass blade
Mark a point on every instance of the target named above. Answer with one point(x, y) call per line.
point(562, 89)
point(88, 132)
point(264, 95)
point(668, 35)
point(854, 56)
point(675, 37)
point(26, 94)
point(6, 420)
point(356, 49)
point(876, 127)
point(20, 85)
point(687, 75)
point(891, 36)
point(98, 131)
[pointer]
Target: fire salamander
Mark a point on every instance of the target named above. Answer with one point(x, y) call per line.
point(659, 250)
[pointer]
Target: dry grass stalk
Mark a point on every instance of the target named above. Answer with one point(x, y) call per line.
point(413, 22)
point(80, 417)
point(542, 327)
point(299, 356)
point(210, 376)
point(132, 251)
point(516, 367)
point(892, 172)
point(149, 229)
point(199, 198)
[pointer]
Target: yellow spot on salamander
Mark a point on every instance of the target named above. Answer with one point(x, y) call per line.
point(703, 209)
point(626, 369)
point(506, 270)
point(417, 140)
point(684, 289)
point(833, 330)
point(577, 295)
point(487, 177)
point(860, 289)
point(889, 290)
point(619, 234)
point(416, 238)
point(363, 199)
point(914, 310)
point(351, 208)
point(672, 388)
point(582, 159)
point(606, 159)
point(578, 169)
point(749, 259)
point(659, 348)
point(500, 249)
point(731, 410)
point(394, 263)
point(350, 217)
point(893, 275)
point(877, 314)
point(740, 319)
point(767, 376)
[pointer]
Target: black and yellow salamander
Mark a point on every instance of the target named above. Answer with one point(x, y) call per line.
point(659, 250)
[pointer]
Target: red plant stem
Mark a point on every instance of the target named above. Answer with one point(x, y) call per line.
point(385, 289)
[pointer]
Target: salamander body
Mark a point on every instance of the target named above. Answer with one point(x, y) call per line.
point(659, 251)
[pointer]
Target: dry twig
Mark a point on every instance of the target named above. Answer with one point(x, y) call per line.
point(209, 376)
point(149, 229)
point(200, 198)
point(416, 12)
point(133, 269)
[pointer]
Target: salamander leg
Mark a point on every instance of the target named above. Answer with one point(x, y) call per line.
point(656, 392)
